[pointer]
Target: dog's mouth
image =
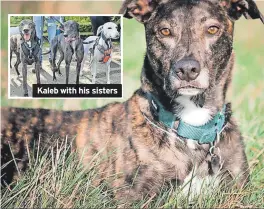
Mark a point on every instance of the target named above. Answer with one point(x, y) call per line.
point(26, 36)
point(70, 39)
point(190, 90)
point(117, 36)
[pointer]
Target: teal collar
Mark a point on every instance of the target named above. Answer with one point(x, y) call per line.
point(204, 134)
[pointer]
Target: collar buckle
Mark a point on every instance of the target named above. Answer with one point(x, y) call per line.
point(154, 108)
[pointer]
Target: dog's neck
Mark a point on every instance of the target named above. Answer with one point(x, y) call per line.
point(105, 42)
point(194, 110)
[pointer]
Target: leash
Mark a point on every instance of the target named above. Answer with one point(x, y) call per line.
point(30, 51)
point(105, 51)
point(56, 20)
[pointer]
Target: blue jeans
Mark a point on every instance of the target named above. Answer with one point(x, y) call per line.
point(52, 28)
point(39, 22)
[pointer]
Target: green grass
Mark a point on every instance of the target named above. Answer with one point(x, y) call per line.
point(56, 179)
point(65, 184)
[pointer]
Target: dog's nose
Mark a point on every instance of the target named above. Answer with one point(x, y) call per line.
point(65, 35)
point(187, 69)
point(26, 30)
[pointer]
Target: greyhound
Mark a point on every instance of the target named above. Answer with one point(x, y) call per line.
point(15, 42)
point(29, 50)
point(68, 43)
point(100, 48)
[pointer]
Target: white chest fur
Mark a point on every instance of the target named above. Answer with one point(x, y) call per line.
point(192, 114)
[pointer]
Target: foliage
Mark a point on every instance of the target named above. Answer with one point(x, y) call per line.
point(84, 21)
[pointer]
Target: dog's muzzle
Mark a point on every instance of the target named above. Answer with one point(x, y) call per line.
point(187, 69)
point(26, 35)
point(117, 36)
point(68, 39)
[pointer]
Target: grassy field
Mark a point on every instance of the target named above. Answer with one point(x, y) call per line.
point(59, 181)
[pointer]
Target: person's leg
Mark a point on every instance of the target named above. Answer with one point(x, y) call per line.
point(94, 24)
point(62, 19)
point(52, 27)
point(39, 22)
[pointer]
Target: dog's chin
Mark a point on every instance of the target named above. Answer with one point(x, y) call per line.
point(189, 91)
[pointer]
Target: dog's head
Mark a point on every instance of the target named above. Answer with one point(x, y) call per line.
point(109, 29)
point(71, 30)
point(189, 42)
point(27, 30)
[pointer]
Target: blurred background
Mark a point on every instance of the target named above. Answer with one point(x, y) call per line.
point(246, 92)
point(83, 21)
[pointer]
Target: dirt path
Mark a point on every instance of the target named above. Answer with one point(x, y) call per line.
point(16, 86)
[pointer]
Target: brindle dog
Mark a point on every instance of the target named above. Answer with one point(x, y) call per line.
point(185, 76)
point(15, 42)
point(29, 50)
point(68, 43)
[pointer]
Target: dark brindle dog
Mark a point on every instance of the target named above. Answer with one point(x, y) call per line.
point(29, 50)
point(177, 124)
point(68, 43)
point(15, 42)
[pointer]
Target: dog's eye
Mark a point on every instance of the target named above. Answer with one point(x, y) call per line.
point(165, 31)
point(213, 30)
point(109, 28)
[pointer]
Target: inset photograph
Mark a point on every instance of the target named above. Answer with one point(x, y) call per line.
point(63, 50)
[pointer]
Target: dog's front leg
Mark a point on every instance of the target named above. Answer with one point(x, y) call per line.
point(93, 66)
point(61, 59)
point(18, 61)
point(239, 169)
point(53, 48)
point(79, 51)
point(11, 52)
point(83, 63)
point(24, 72)
point(234, 162)
point(108, 65)
point(38, 71)
point(68, 58)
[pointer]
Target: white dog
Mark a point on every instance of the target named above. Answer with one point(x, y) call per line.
point(101, 48)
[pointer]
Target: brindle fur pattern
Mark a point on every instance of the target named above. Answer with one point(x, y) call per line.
point(142, 154)
point(15, 42)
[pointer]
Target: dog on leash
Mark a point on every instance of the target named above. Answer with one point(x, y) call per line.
point(15, 42)
point(177, 127)
point(68, 43)
point(100, 48)
point(29, 51)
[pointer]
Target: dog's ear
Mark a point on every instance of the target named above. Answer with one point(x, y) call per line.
point(78, 27)
point(139, 9)
point(34, 34)
point(237, 8)
point(99, 30)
